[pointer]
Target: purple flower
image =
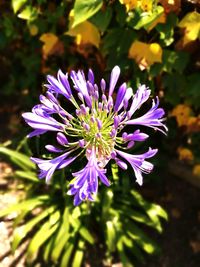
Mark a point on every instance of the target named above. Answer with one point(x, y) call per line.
point(96, 128)
point(86, 180)
point(47, 167)
point(138, 163)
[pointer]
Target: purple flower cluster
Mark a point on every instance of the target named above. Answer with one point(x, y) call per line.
point(95, 129)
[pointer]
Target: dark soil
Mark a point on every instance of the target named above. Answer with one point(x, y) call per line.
point(180, 241)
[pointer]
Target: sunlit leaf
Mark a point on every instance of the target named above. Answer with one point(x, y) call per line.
point(17, 4)
point(145, 54)
point(147, 19)
point(84, 9)
point(185, 154)
point(191, 25)
point(111, 236)
point(182, 112)
point(31, 176)
point(20, 159)
point(86, 235)
point(153, 210)
point(25, 205)
point(124, 259)
point(196, 170)
point(67, 252)
point(159, 20)
point(130, 4)
point(47, 229)
point(23, 230)
point(166, 30)
point(62, 236)
point(52, 45)
point(146, 243)
point(85, 33)
point(28, 13)
point(79, 253)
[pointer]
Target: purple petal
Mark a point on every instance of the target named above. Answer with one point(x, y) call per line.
point(53, 149)
point(113, 79)
point(62, 139)
point(91, 76)
point(120, 96)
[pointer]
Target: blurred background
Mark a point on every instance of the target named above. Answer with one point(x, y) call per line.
point(155, 43)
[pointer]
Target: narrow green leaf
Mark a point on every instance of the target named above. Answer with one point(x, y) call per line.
point(139, 217)
point(49, 248)
point(68, 251)
point(86, 235)
point(19, 158)
point(153, 210)
point(76, 224)
point(44, 233)
point(23, 230)
point(128, 242)
point(146, 243)
point(84, 9)
point(31, 176)
point(62, 236)
point(124, 259)
point(24, 205)
point(78, 257)
point(111, 236)
point(17, 4)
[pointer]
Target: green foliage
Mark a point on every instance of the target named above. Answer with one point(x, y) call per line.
point(57, 232)
point(61, 234)
point(84, 9)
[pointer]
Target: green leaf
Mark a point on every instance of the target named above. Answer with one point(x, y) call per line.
point(86, 235)
point(28, 13)
point(146, 243)
point(62, 236)
point(49, 248)
point(139, 217)
point(166, 30)
point(23, 230)
point(128, 242)
point(124, 259)
point(111, 236)
point(18, 158)
point(76, 223)
point(68, 251)
point(84, 9)
point(79, 253)
point(176, 85)
point(44, 233)
point(24, 205)
point(147, 18)
point(17, 4)
point(118, 41)
point(153, 208)
point(102, 19)
point(31, 176)
point(115, 174)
